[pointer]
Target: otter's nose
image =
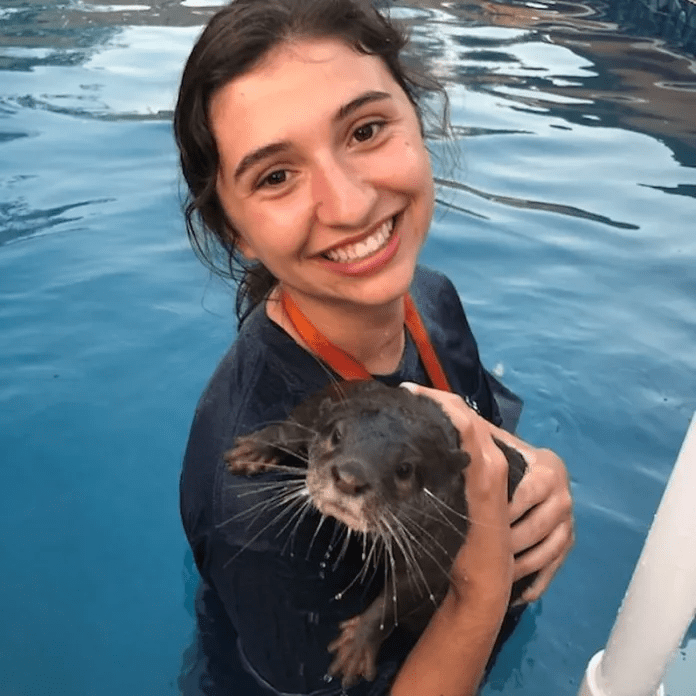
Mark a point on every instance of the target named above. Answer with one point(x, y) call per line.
point(349, 479)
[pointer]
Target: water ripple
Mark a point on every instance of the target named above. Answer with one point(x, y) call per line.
point(18, 221)
point(533, 205)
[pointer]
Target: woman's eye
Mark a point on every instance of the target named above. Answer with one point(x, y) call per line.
point(367, 131)
point(275, 178)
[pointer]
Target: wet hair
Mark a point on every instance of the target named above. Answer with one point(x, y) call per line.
point(234, 42)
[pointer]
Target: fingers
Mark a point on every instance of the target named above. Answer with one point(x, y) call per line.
point(543, 532)
point(487, 474)
point(541, 509)
point(472, 427)
point(482, 570)
point(552, 516)
point(552, 550)
point(546, 477)
point(541, 582)
point(542, 505)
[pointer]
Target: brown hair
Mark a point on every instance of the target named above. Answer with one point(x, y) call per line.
point(233, 43)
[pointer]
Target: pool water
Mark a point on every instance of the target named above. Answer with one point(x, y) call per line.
point(568, 224)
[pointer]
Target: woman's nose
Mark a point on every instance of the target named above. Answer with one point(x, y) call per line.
point(342, 192)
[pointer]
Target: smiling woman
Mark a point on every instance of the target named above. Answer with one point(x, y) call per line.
point(302, 145)
point(326, 181)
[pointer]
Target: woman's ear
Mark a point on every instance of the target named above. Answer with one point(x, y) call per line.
point(244, 248)
point(232, 233)
point(239, 242)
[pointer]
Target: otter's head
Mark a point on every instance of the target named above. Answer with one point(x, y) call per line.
point(380, 455)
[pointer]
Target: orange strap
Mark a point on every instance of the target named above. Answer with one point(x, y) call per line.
point(346, 365)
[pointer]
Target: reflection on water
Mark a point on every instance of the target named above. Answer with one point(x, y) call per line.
point(568, 58)
point(636, 82)
point(567, 225)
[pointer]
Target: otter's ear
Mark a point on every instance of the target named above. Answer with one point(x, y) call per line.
point(460, 458)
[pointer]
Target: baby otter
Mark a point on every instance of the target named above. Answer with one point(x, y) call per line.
point(387, 463)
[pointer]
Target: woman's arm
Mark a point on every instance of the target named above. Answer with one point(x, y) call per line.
point(451, 655)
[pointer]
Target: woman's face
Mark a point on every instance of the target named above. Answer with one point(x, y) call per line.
point(324, 173)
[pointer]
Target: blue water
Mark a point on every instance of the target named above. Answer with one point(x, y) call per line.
point(567, 224)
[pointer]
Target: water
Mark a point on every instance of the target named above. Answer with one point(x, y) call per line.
point(567, 226)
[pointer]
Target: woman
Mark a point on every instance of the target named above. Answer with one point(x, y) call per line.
point(302, 145)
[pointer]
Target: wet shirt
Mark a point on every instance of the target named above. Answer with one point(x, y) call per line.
point(275, 583)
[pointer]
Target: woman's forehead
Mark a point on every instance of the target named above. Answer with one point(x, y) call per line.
point(298, 84)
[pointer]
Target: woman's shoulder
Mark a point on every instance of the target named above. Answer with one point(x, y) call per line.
point(260, 379)
point(447, 324)
point(255, 381)
point(426, 279)
point(438, 301)
point(262, 375)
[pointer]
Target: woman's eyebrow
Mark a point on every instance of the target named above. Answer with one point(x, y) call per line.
point(359, 101)
point(271, 149)
point(257, 155)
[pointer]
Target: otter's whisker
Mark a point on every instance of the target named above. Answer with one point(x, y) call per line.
point(301, 497)
point(329, 373)
point(314, 536)
point(290, 490)
point(297, 424)
point(284, 510)
point(343, 550)
point(421, 511)
point(470, 520)
point(289, 498)
point(445, 505)
point(285, 450)
point(410, 555)
point(387, 551)
point(251, 487)
point(437, 506)
point(392, 565)
point(298, 470)
point(334, 536)
point(424, 549)
point(411, 558)
point(304, 509)
point(388, 537)
point(360, 576)
point(424, 531)
point(404, 547)
point(373, 558)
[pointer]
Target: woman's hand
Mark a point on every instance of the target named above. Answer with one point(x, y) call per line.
point(483, 570)
point(541, 511)
point(451, 654)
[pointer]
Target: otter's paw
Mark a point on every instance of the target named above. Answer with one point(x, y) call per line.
point(249, 456)
point(355, 651)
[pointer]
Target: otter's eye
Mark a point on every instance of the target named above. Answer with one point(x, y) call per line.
point(336, 436)
point(404, 470)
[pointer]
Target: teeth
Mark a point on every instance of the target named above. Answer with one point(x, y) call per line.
point(363, 249)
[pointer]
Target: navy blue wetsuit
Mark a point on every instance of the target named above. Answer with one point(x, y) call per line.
point(267, 599)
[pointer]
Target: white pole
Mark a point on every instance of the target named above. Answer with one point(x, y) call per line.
point(660, 602)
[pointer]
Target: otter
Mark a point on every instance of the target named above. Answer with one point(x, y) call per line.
point(387, 463)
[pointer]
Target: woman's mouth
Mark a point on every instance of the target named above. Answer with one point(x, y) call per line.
point(350, 253)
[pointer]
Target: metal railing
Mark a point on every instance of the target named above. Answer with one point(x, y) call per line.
point(660, 601)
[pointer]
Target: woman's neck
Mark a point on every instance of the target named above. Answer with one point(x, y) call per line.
point(374, 336)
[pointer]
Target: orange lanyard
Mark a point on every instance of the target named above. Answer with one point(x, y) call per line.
point(346, 365)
